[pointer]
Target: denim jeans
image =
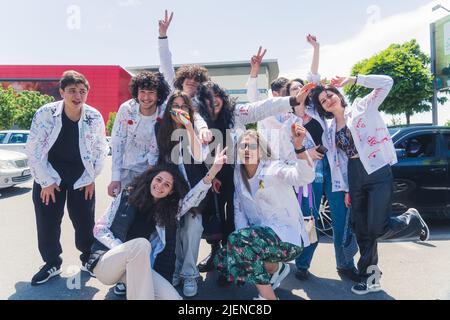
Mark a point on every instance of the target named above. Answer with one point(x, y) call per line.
point(338, 216)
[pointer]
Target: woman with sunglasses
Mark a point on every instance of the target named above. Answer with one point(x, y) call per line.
point(269, 224)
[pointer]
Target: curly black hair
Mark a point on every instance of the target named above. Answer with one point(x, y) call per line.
point(205, 103)
point(150, 81)
point(314, 96)
point(164, 210)
point(190, 71)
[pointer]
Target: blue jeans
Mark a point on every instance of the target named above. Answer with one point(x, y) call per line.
point(338, 217)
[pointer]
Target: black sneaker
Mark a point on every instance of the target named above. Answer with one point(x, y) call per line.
point(302, 274)
point(363, 288)
point(424, 231)
point(350, 274)
point(208, 265)
point(48, 271)
point(120, 289)
point(85, 269)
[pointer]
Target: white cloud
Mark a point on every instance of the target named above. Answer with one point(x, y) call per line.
point(377, 35)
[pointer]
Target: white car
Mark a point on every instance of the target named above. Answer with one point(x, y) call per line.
point(14, 168)
point(14, 140)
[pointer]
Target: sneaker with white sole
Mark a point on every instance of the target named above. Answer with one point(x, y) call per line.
point(84, 269)
point(424, 231)
point(363, 288)
point(120, 289)
point(190, 287)
point(279, 275)
point(48, 271)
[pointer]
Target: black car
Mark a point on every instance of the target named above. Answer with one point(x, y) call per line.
point(421, 176)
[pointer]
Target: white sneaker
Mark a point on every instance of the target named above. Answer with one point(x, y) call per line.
point(280, 274)
point(363, 288)
point(190, 287)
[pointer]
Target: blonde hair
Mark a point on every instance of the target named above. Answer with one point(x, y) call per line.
point(264, 149)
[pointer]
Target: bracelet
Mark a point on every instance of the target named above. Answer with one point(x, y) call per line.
point(165, 37)
point(301, 150)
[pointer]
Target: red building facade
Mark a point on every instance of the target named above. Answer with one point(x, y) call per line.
point(109, 84)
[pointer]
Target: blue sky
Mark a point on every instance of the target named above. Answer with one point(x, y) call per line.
point(124, 32)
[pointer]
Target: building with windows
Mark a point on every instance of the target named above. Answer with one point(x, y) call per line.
point(232, 76)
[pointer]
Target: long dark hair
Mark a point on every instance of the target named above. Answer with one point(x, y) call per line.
point(167, 126)
point(315, 100)
point(205, 105)
point(164, 210)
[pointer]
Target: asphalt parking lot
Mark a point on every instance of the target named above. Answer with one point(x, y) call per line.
point(411, 270)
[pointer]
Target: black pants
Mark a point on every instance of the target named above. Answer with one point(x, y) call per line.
point(49, 217)
point(371, 214)
point(218, 213)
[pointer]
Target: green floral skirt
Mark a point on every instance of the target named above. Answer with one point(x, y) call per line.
point(242, 259)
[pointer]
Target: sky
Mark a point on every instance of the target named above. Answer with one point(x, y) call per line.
point(124, 32)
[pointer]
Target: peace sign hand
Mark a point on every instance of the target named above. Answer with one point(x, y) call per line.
point(255, 62)
point(164, 24)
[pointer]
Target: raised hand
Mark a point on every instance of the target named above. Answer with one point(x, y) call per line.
point(304, 92)
point(255, 62)
point(298, 133)
point(164, 24)
point(219, 160)
point(339, 82)
point(312, 40)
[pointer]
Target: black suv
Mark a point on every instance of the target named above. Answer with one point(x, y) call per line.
point(421, 176)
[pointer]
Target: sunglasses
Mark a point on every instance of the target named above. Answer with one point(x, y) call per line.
point(250, 146)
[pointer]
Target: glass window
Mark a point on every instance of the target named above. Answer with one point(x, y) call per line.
point(2, 137)
point(18, 138)
point(447, 143)
point(419, 146)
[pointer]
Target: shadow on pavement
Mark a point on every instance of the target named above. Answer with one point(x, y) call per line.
point(316, 288)
point(57, 288)
point(13, 191)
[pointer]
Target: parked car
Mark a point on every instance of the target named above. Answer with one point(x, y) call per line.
point(421, 176)
point(13, 168)
point(14, 140)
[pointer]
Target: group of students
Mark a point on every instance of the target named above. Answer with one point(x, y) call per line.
point(185, 167)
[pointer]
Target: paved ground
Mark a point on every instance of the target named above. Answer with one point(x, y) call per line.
point(410, 270)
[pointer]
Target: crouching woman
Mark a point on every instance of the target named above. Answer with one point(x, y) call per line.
point(133, 233)
point(269, 223)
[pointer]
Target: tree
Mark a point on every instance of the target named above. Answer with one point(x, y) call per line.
point(27, 102)
point(110, 123)
point(447, 123)
point(413, 82)
point(7, 108)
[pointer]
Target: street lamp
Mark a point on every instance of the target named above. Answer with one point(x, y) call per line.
point(437, 7)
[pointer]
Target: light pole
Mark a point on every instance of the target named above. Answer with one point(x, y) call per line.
point(434, 109)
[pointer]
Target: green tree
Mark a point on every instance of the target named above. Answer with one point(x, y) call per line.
point(27, 102)
point(7, 108)
point(110, 123)
point(413, 82)
point(447, 123)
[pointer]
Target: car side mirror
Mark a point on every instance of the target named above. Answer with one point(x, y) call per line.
point(401, 153)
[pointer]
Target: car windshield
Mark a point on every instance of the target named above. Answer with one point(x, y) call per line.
point(2, 137)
